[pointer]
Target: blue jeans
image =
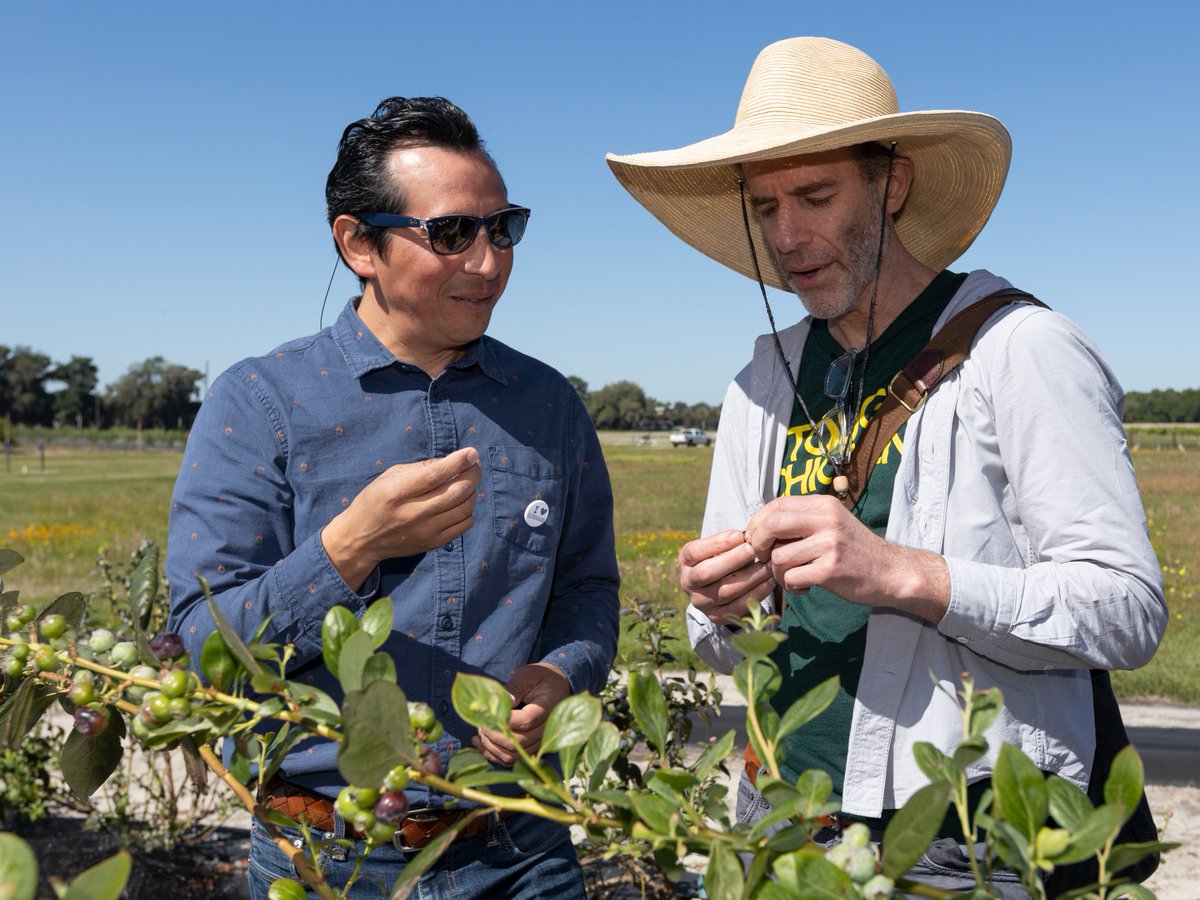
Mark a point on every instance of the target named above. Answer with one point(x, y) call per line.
point(944, 863)
point(519, 858)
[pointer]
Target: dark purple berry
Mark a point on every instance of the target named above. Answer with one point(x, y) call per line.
point(432, 763)
point(166, 646)
point(391, 807)
point(91, 720)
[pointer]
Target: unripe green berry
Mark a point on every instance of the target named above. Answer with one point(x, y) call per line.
point(158, 706)
point(52, 626)
point(82, 692)
point(141, 730)
point(397, 779)
point(856, 836)
point(102, 640)
point(379, 832)
point(860, 865)
point(346, 803)
point(176, 683)
point(286, 889)
point(181, 707)
point(19, 651)
point(13, 623)
point(124, 654)
point(136, 693)
point(45, 659)
point(13, 667)
point(878, 888)
point(421, 715)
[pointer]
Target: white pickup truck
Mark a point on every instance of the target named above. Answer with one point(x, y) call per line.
point(689, 437)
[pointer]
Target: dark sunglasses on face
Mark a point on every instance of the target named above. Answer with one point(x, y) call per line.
point(454, 234)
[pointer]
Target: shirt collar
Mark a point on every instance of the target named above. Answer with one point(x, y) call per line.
point(363, 351)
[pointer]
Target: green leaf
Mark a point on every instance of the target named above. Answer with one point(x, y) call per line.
point(968, 751)
point(670, 784)
point(315, 704)
point(913, 828)
point(1134, 892)
point(815, 788)
point(1101, 827)
point(758, 677)
point(232, 640)
point(339, 623)
point(87, 761)
point(377, 621)
point(377, 735)
point(599, 752)
point(715, 754)
point(143, 587)
point(103, 881)
point(757, 644)
point(1125, 855)
point(1125, 779)
point(22, 710)
point(482, 702)
point(654, 811)
point(723, 879)
point(9, 559)
point(352, 661)
point(379, 667)
point(1020, 791)
point(985, 707)
point(219, 666)
point(809, 706)
point(933, 763)
point(649, 708)
point(571, 723)
point(812, 877)
point(18, 865)
point(1069, 806)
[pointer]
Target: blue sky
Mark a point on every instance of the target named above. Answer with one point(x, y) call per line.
point(164, 167)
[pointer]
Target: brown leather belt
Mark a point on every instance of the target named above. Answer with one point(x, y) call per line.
point(754, 766)
point(414, 831)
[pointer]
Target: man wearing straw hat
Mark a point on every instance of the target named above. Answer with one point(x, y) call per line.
point(1000, 531)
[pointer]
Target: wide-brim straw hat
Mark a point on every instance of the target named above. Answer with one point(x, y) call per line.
point(808, 95)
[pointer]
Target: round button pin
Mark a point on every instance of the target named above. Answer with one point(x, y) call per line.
point(536, 514)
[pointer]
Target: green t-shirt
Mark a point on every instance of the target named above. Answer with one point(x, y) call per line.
point(826, 635)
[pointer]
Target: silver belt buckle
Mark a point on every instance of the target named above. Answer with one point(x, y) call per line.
point(398, 838)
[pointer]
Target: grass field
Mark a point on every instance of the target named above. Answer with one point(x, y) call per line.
point(86, 503)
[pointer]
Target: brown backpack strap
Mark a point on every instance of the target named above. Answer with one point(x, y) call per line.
point(911, 385)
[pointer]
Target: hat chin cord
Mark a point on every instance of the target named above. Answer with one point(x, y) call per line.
point(841, 484)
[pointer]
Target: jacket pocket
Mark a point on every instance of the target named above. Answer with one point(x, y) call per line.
point(528, 496)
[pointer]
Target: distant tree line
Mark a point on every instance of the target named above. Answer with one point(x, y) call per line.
point(1167, 405)
point(34, 390)
point(624, 406)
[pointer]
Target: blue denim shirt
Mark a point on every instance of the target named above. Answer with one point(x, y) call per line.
point(284, 442)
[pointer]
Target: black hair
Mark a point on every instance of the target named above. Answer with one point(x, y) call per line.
point(360, 182)
point(873, 160)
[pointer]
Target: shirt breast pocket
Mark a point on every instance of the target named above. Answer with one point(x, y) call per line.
point(528, 496)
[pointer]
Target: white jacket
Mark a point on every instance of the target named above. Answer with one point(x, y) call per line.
point(1017, 472)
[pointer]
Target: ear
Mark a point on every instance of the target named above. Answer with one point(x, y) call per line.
point(902, 179)
point(356, 249)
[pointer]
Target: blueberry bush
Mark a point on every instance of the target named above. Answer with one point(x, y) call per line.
point(661, 806)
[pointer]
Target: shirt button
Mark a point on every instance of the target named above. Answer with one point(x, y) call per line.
point(449, 547)
point(963, 639)
point(447, 623)
point(444, 707)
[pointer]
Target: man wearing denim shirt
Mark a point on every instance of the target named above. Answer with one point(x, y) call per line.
point(402, 453)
